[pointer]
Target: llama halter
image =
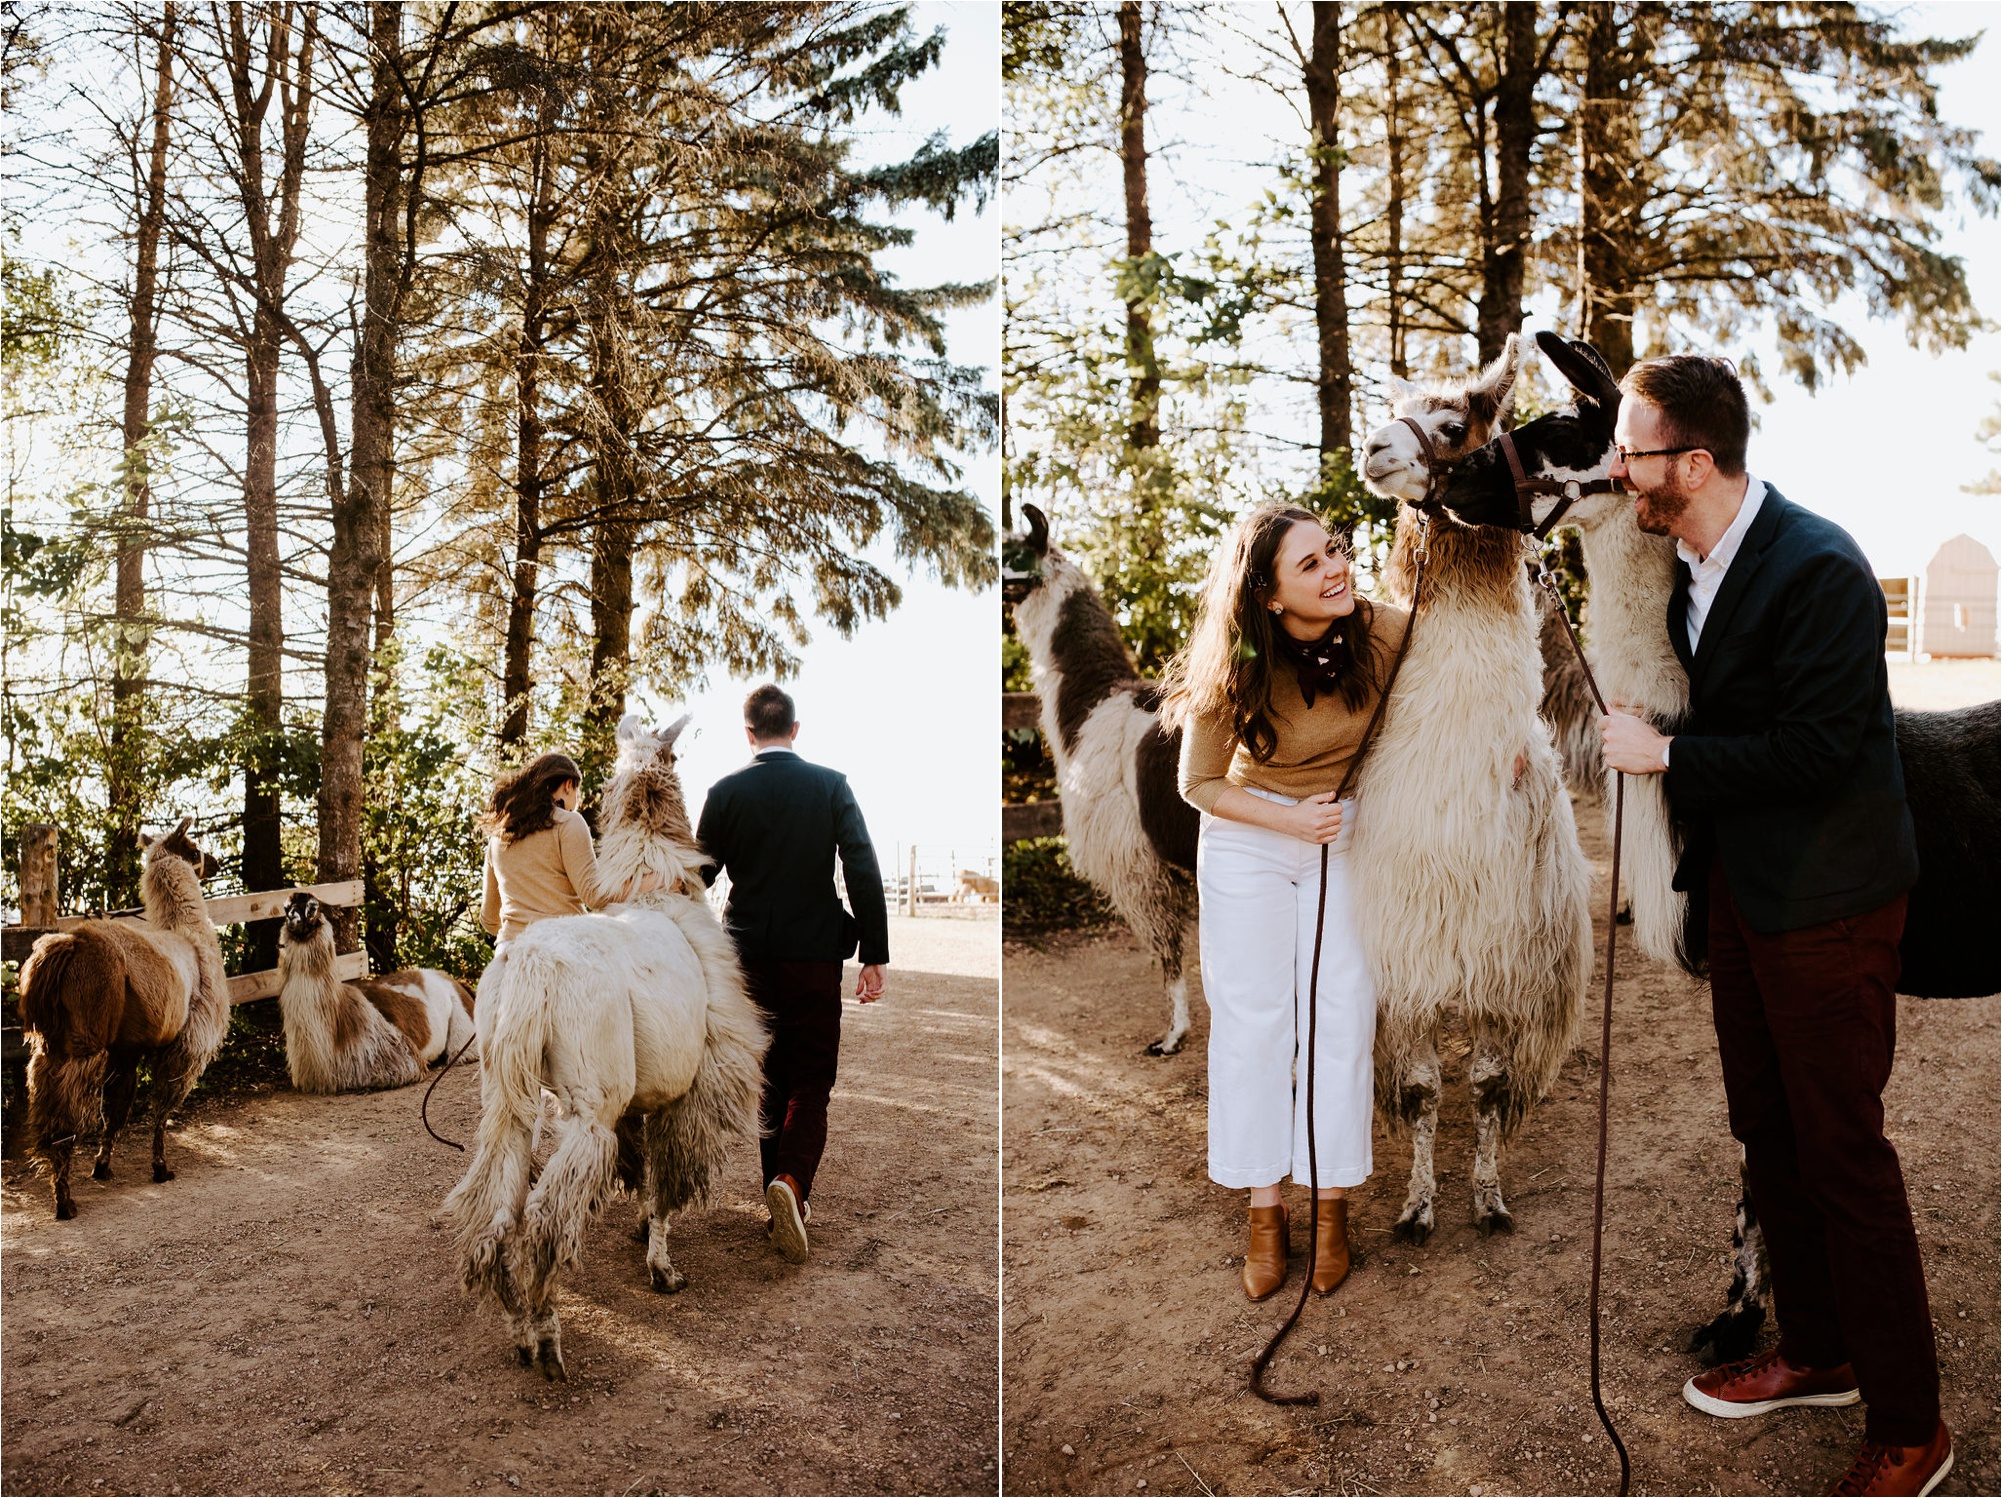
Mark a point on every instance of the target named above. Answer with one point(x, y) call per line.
point(1568, 492)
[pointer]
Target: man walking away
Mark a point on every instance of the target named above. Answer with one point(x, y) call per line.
point(1787, 779)
point(775, 826)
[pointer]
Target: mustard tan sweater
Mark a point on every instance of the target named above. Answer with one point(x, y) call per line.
point(1315, 744)
point(551, 872)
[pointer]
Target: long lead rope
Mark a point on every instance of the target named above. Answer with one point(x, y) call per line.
point(424, 1110)
point(1544, 579)
point(1264, 1358)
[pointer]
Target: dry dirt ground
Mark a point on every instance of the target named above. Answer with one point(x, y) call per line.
point(1459, 1367)
point(282, 1319)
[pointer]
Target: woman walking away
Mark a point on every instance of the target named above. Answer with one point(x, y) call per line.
point(540, 861)
point(1273, 694)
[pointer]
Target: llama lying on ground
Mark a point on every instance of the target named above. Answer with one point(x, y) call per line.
point(100, 998)
point(1952, 945)
point(379, 1032)
point(1129, 830)
point(639, 1024)
point(1470, 887)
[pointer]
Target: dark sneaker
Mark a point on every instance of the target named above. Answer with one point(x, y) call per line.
point(1755, 1385)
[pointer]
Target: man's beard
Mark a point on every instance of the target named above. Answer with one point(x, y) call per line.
point(1657, 509)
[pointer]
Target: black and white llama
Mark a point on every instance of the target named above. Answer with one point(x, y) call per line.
point(1952, 945)
point(1130, 832)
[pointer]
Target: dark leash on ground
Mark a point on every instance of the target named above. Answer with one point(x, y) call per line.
point(424, 1110)
point(1259, 1363)
point(1539, 570)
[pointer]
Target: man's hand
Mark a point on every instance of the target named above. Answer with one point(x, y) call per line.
point(1631, 744)
point(869, 982)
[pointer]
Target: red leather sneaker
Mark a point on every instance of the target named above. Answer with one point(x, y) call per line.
point(1911, 1470)
point(1768, 1382)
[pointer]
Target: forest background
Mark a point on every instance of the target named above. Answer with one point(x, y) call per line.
point(396, 390)
point(1225, 227)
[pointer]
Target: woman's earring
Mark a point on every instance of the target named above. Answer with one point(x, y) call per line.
point(1278, 607)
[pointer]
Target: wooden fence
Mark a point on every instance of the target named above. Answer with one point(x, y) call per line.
point(1030, 818)
point(39, 918)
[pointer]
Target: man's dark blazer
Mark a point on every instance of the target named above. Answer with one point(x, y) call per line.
point(1788, 766)
point(776, 826)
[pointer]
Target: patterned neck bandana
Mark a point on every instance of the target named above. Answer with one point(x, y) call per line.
point(1315, 662)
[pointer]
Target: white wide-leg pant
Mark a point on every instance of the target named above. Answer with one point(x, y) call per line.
point(1259, 894)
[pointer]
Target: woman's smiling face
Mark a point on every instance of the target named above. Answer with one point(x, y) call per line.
point(1310, 579)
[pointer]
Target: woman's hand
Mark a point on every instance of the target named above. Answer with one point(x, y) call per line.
point(1318, 819)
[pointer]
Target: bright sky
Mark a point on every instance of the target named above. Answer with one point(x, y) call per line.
point(908, 709)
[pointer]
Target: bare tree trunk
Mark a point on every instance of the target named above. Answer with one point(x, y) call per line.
point(129, 653)
point(1334, 390)
point(355, 562)
point(288, 78)
point(1144, 431)
point(1504, 252)
point(1609, 205)
point(1393, 64)
point(515, 683)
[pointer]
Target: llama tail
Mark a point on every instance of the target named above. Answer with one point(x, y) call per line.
point(482, 1209)
point(1647, 871)
point(692, 1135)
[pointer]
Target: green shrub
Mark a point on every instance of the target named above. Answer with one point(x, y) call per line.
point(1041, 892)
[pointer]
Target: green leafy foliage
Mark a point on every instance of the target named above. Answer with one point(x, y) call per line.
point(1042, 893)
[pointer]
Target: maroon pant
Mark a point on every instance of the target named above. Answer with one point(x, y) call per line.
point(1807, 1021)
point(802, 1007)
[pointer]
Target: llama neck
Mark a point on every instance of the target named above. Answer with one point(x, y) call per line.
point(1472, 567)
point(1633, 575)
point(1076, 653)
point(172, 896)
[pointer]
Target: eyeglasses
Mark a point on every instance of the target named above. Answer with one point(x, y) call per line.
point(1628, 454)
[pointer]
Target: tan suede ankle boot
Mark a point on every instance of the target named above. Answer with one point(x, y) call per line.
point(1265, 1259)
point(1331, 1243)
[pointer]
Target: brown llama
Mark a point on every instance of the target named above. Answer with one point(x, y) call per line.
point(99, 999)
point(379, 1032)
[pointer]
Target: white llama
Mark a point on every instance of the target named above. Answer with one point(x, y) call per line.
point(638, 1022)
point(379, 1032)
point(1471, 889)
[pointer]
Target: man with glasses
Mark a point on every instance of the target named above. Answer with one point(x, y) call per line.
point(1800, 850)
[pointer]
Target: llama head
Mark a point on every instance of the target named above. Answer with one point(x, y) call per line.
point(1575, 442)
point(177, 844)
point(645, 793)
point(1457, 419)
point(1037, 580)
point(304, 921)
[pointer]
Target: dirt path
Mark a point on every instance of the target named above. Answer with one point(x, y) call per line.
point(1459, 1367)
point(282, 1319)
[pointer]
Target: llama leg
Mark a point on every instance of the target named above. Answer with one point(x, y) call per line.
point(1176, 983)
point(581, 1173)
point(661, 1273)
point(63, 1097)
point(174, 1076)
point(1489, 1078)
point(1734, 1331)
point(1417, 1106)
point(120, 1083)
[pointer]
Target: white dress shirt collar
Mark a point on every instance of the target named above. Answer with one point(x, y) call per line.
point(774, 749)
point(1706, 574)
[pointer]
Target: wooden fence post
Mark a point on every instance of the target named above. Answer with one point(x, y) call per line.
point(38, 874)
point(911, 885)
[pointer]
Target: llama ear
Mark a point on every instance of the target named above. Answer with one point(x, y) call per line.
point(1584, 369)
point(1039, 529)
point(1492, 396)
point(673, 730)
point(146, 840)
point(1402, 389)
point(186, 823)
point(629, 728)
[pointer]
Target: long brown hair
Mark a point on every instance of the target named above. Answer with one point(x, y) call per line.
point(525, 801)
point(1226, 669)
